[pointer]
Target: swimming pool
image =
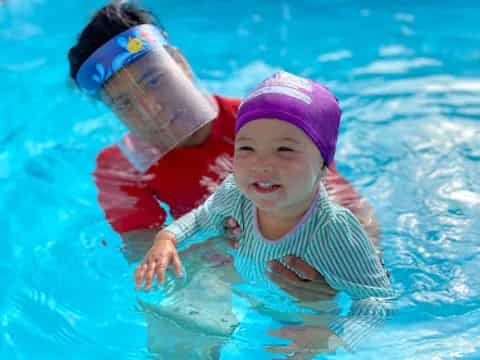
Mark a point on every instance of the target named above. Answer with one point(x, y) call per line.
point(408, 78)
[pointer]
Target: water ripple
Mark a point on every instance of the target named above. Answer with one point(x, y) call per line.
point(409, 143)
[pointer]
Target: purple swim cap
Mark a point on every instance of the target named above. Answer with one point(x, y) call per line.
point(300, 102)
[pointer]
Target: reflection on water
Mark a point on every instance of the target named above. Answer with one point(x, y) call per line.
point(409, 90)
point(228, 302)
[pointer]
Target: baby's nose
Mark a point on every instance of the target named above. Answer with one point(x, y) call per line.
point(263, 167)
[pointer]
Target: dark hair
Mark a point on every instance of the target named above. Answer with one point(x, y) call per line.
point(107, 22)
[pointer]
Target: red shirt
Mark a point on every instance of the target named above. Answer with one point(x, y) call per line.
point(182, 179)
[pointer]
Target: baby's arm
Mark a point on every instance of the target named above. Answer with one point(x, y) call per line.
point(163, 251)
point(349, 262)
point(344, 194)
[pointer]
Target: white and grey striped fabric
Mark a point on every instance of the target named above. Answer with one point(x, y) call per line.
point(328, 237)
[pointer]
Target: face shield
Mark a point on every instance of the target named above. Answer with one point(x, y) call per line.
point(149, 86)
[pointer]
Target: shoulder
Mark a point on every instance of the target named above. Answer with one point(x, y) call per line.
point(227, 114)
point(343, 217)
point(343, 240)
point(112, 165)
point(342, 226)
point(350, 262)
point(111, 157)
point(227, 191)
point(336, 224)
point(227, 104)
point(227, 200)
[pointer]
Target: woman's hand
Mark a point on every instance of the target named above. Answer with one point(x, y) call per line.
point(306, 341)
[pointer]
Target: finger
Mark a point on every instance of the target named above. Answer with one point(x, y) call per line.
point(236, 231)
point(160, 269)
point(229, 233)
point(140, 275)
point(278, 269)
point(232, 222)
point(232, 232)
point(149, 274)
point(233, 243)
point(308, 355)
point(282, 332)
point(227, 222)
point(177, 265)
point(281, 349)
point(301, 267)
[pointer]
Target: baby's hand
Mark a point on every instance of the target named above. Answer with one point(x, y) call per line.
point(161, 254)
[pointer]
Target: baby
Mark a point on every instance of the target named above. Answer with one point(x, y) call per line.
point(286, 135)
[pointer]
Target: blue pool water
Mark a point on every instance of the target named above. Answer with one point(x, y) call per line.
point(408, 78)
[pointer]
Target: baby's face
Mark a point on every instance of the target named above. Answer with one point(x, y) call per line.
point(276, 165)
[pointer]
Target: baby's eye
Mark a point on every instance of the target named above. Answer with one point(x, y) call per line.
point(285, 149)
point(245, 148)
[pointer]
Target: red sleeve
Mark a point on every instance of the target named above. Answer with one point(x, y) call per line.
point(124, 195)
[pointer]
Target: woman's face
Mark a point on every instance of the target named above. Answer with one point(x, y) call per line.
point(157, 100)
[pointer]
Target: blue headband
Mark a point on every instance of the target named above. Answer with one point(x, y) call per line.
point(119, 51)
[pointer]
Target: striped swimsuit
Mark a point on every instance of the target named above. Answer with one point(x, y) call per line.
point(328, 238)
